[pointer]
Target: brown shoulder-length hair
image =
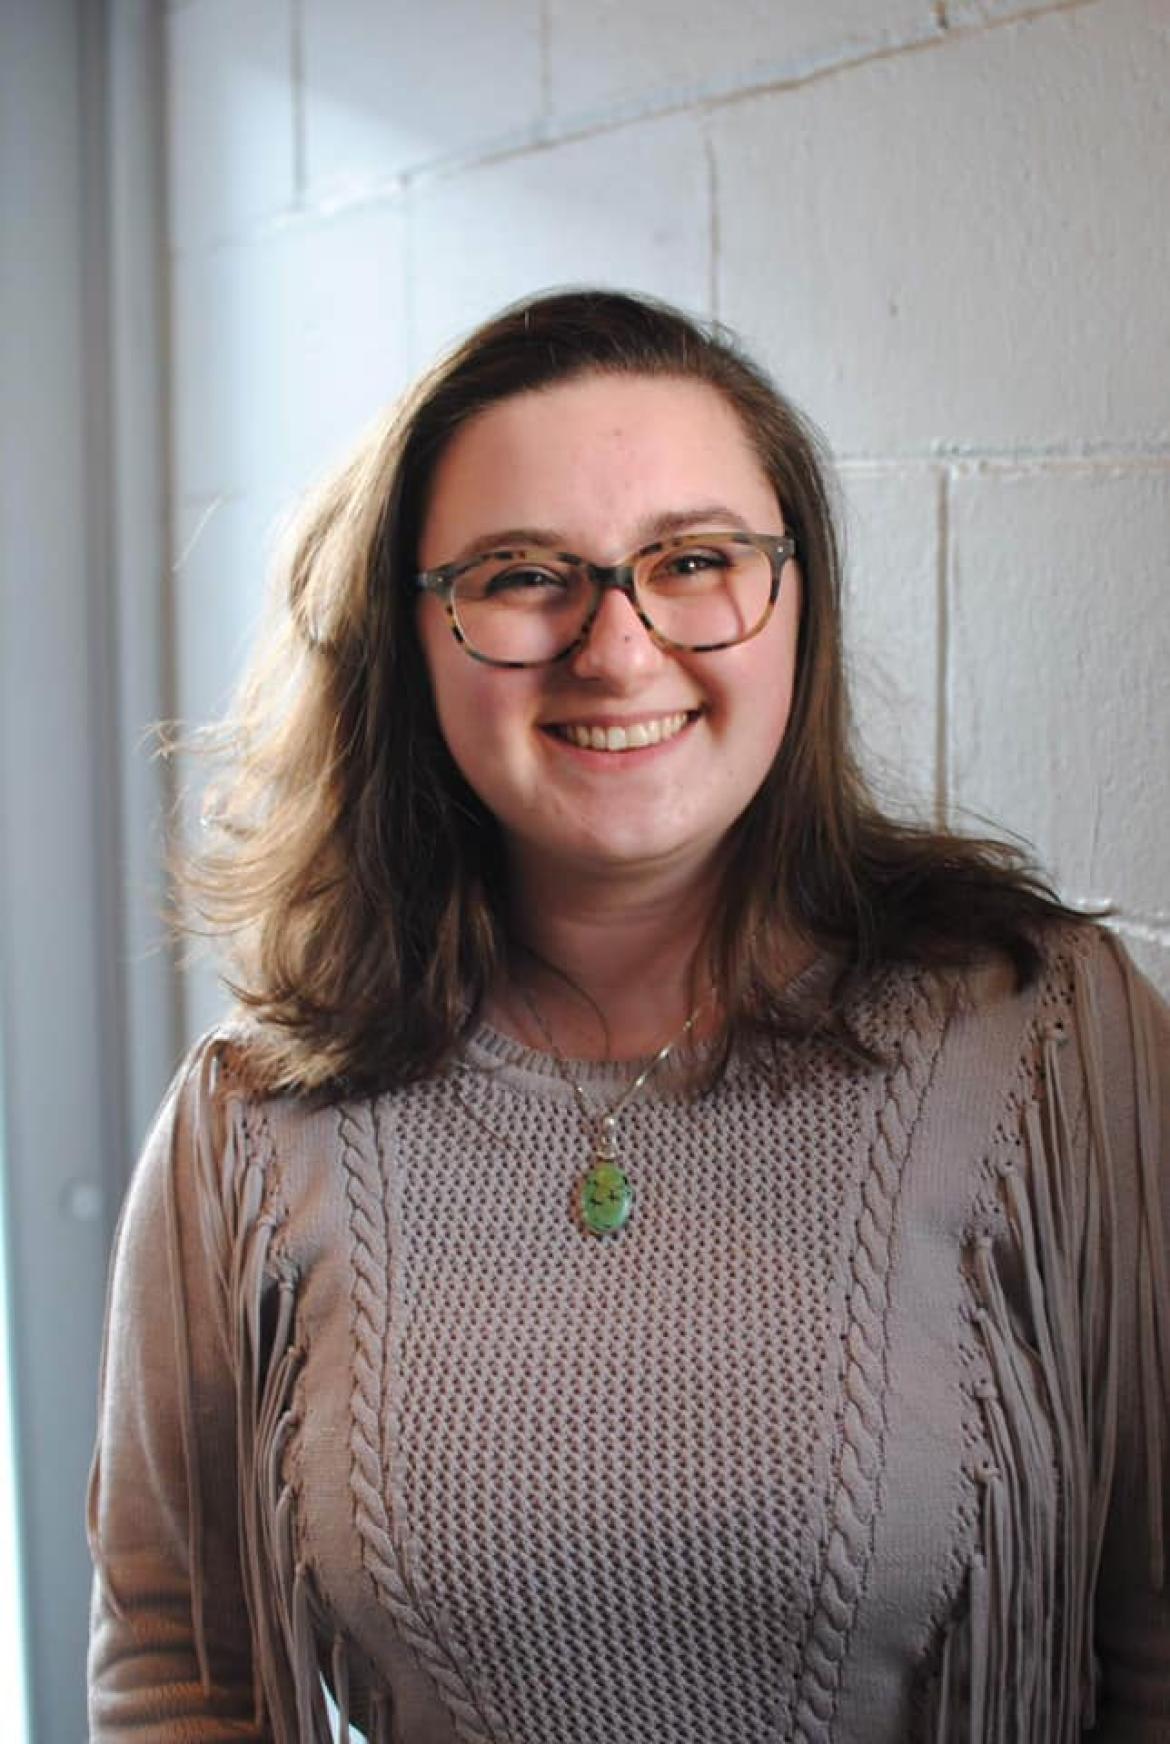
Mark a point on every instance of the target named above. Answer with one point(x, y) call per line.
point(358, 880)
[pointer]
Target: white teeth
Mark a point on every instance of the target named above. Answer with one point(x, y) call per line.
point(631, 738)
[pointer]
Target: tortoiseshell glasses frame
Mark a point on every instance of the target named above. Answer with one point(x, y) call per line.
point(633, 578)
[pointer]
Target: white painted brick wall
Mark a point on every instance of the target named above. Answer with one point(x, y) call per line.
point(626, 206)
point(964, 246)
point(231, 145)
point(943, 224)
point(1059, 650)
point(613, 52)
point(284, 346)
point(215, 618)
point(391, 86)
point(893, 547)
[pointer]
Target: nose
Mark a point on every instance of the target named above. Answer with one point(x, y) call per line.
point(618, 645)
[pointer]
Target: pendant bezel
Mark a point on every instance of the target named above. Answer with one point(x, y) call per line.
point(605, 1196)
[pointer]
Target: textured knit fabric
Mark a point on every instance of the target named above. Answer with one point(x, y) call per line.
point(857, 1431)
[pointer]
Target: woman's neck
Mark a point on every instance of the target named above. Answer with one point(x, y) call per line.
point(613, 968)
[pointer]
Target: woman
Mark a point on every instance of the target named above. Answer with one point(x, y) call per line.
point(669, 1253)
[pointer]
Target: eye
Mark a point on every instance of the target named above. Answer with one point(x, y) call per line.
point(691, 566)
point(524, 578)
point(694, 562)
point(515, 578)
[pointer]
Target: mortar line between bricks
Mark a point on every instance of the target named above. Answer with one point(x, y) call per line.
point(965, 463)
point(547, 134)
point(936, 35)
point(1151, 932)
point(713, 236)
point(942, 720)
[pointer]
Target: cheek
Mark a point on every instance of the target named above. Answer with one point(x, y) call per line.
point(453, 676)
point(467, 721)
point(482, 711)
point(765, 733)
point(758, 693)
point(774, 674)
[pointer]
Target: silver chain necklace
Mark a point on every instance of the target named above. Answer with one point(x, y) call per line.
point(605, 1194)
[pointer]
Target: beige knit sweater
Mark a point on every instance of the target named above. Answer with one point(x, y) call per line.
point(857, 1431)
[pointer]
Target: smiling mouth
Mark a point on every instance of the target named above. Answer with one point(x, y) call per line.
point(634, 737)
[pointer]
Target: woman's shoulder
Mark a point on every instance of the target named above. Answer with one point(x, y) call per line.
point(1079, 967)
point(1086, 1042)
point(1081, 987)
point(231, 1170)
point(228, 1072)
point(212, 1144)
point(1087, 983)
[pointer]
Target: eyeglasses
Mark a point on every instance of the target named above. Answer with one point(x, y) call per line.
point(697, 592)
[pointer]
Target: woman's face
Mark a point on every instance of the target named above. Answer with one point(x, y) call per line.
point(601, 464)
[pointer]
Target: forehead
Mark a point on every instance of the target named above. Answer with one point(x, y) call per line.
point(592, 460)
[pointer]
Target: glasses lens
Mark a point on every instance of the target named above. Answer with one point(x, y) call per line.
point(705, 591)
point(523, 606)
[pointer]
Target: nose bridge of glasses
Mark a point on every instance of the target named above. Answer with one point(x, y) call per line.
point(613, 578)
point(606, 579)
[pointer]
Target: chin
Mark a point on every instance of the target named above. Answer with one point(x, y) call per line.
point(628, 851)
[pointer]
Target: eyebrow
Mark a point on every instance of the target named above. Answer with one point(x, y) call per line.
point(704, 516)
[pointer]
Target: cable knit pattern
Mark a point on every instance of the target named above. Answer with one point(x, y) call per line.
point(567, 1405)
point(369, 1267)
point(544, 1385)
point(853, 1434)
point(372, 1456)
point(861, 1438)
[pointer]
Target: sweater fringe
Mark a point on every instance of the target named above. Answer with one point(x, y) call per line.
point(289, 1625)
point(256, 1288)
point(1017, 1663)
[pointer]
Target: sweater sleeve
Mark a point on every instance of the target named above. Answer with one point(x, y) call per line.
point(170, 1655)
point(1131, 1026)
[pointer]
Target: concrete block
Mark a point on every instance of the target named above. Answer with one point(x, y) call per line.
point(963, 246)
point(230, 118)
point(221, 564)
point(628, 207)
point(221, 573)
point(891, 601)
point(609, 53)
point(284, 348)
point(1150, 953)
point(1059, 647)
point(393, 86)
point(971, 14)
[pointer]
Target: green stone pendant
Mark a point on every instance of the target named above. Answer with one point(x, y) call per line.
point(604, 1198)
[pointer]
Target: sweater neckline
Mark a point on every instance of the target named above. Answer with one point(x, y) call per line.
point(488, 1047)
